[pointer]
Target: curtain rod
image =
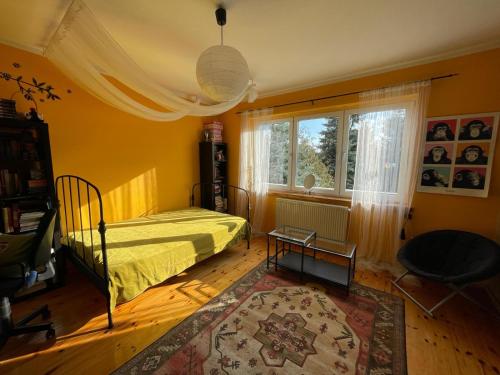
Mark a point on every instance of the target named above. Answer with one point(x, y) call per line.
point(312, 101)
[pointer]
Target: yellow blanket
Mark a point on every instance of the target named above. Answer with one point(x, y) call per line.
point(146, 251)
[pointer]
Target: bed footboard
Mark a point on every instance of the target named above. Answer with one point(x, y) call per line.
point(233, 200)
point(83, 230)
point(77, 200)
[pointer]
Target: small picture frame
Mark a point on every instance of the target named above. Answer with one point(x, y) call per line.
point(469, 178)
point(441, 130)
point(457, 154)
point(435, 177)
point(438, 153)
point(476, 128)
point(474, 153)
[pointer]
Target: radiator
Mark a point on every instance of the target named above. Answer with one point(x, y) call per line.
point(328, 221)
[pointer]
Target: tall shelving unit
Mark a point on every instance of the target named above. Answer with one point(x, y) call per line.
point(26, 176)
point(26, 182)
point(213, 175)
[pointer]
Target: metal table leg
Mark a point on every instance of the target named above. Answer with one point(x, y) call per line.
point(268, 251)
point(302, 263)
point(353, 263)
point(314, 250)
point(276, 258)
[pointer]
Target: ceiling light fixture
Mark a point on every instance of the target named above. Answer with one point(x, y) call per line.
point(222, 71)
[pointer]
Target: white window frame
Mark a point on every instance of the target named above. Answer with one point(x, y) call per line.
point(339, 189)
point(403, 105)
point(318, 190)
point(283, 187)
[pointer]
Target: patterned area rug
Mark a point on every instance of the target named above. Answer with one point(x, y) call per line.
point(272, 323)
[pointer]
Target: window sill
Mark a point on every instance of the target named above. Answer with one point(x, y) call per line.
point(341, 201)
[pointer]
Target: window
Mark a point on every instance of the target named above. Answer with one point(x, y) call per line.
point(385, 126)
point(279, 153)
point(325, 145)
point(317, 150)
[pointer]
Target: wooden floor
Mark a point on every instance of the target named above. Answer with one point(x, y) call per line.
point(462, 340)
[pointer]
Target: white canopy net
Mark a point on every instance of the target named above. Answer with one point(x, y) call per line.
point(84, 50)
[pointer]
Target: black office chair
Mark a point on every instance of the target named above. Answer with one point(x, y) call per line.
point(26, 253)
point(452, 257)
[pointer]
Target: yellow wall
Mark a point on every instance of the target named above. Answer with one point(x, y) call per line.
point(143, 166)
point(140, 166)
point(476, 89)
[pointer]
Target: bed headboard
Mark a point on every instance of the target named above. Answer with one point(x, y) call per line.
point(221, 197)
point(79, 204)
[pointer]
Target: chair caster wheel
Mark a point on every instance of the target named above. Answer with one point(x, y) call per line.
point(51, 333)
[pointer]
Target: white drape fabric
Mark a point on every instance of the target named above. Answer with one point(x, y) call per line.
point(255, 146)
point(390, 133)
point(84, 50)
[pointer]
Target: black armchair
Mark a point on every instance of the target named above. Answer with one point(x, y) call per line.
point(451, 257)
point(20, 255)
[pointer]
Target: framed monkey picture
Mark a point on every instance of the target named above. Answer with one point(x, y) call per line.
point(457, 154)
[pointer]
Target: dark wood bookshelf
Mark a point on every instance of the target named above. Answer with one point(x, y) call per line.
point(24, 197)
point(26, 175)
point(25, 152)
point(213, 170)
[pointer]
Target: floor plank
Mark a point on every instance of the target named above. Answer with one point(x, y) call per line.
point(462, 340)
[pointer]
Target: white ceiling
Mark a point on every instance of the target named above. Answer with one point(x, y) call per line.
point(289, 44)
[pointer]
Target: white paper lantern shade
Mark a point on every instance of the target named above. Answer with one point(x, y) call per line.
point(222, 73)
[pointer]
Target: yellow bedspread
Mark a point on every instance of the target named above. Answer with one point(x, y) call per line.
point(146, 251)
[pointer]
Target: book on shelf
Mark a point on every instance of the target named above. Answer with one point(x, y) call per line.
point(37, 186)
point(17, 220)
point(219, 175)
point(217, 138)
point(30, 151)
point(9, 183)
point(14, 149)
point(37, 171)
point(29, 220)
point(219, 203)
point(7, 220)
point(10, 149)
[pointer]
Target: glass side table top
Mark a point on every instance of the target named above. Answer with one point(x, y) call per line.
point(301, 236)
point(343, 248)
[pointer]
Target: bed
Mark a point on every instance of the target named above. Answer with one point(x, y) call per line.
point(124, 259)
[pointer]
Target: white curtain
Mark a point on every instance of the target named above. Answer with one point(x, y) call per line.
point(84, 50)
point(255, 146)
point(390, 133)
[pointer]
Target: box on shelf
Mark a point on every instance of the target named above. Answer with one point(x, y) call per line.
point(212, 131)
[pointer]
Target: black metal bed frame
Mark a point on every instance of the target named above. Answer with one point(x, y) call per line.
point(70, 189)
point(64, 187)
point(231, 192)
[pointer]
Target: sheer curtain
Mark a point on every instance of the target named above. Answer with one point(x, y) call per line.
point(84, 50)
point(255, 146)
point(387, 159)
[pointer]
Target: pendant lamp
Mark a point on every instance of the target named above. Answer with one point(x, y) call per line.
point(222, 71)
